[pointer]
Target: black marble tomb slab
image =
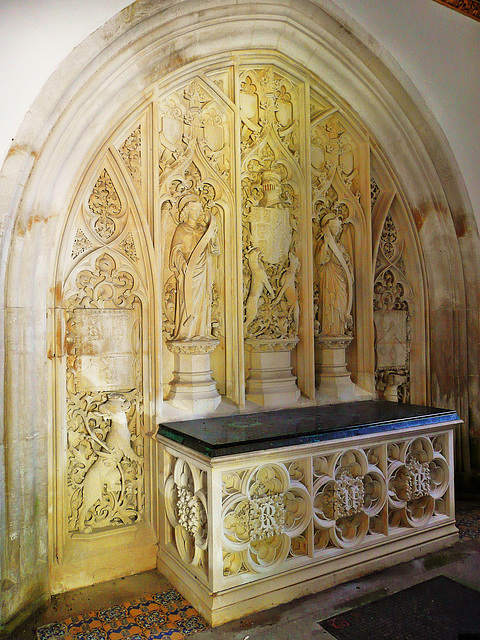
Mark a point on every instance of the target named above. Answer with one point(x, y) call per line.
point(230, 435)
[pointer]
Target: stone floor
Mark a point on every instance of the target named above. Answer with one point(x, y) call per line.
point(299, 619)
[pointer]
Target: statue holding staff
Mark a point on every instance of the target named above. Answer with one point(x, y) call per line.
point(193, 246)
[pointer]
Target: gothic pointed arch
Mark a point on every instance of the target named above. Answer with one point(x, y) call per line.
point(84, 187)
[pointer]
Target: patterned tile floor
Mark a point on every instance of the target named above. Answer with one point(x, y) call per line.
point(163, 616)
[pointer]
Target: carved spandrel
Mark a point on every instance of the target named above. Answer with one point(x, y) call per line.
point(80, 244)
point(193, 117)
point(131, 152)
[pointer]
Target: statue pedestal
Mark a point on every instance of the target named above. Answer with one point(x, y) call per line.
point(332, 376)
point(270, 382)
point(193, 389)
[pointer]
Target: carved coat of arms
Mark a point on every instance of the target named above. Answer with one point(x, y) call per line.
point(271, 232)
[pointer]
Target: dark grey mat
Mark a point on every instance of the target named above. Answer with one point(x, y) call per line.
point(438, 609)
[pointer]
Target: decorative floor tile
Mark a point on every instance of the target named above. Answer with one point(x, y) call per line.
point(163, 616)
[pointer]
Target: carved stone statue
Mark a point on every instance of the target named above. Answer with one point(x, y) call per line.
point(335, 278)
point(194, 244)
point(259, 280)
point(289, 290)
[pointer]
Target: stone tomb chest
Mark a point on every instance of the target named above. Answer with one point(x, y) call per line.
point(264, 508)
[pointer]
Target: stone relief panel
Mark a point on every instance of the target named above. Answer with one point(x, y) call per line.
point(349, 497)
point(288, 511)
point(271, 199)
point(341, 245)
point(196, 200)
point(334, 286)
point(186, 510)
point(336, 189)
point(392, 317)
point(104, 305)
point(194, 119)
point(104, 406)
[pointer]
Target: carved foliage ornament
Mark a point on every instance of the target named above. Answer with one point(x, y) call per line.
point(103, 353)
point(270, 204)
point(186, 509)
point(105, 464)
point(105, 209)
point(131, 152)
point(104, 370)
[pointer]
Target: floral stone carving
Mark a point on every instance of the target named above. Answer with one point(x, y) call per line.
point(186, 509)
point(419, 477)
point(105, 469)
point(349, 493)
point(105, 476)
point(261, 518)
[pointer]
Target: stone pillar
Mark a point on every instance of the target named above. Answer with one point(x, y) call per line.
point(193, 389)
point(270, 381)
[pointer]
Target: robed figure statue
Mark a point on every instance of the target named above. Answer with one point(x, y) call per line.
point(335, 279)
point(194, 244)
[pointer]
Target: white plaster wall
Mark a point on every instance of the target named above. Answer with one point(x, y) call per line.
point(35, 36)
point(437, 48)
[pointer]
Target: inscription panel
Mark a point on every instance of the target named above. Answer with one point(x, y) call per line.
point(104, 349)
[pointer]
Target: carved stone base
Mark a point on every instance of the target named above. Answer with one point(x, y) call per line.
point(193, 389)
point(270, 382)
point(332, 376)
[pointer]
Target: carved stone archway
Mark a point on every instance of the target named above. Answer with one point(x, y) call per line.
point(112, 78)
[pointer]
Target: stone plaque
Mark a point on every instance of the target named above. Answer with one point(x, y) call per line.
point(104, 349)
point(391, 339)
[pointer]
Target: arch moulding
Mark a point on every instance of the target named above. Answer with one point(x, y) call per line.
point(109, 78)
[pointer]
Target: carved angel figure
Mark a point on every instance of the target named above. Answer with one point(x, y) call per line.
point(335, 278)
point(191, 259)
